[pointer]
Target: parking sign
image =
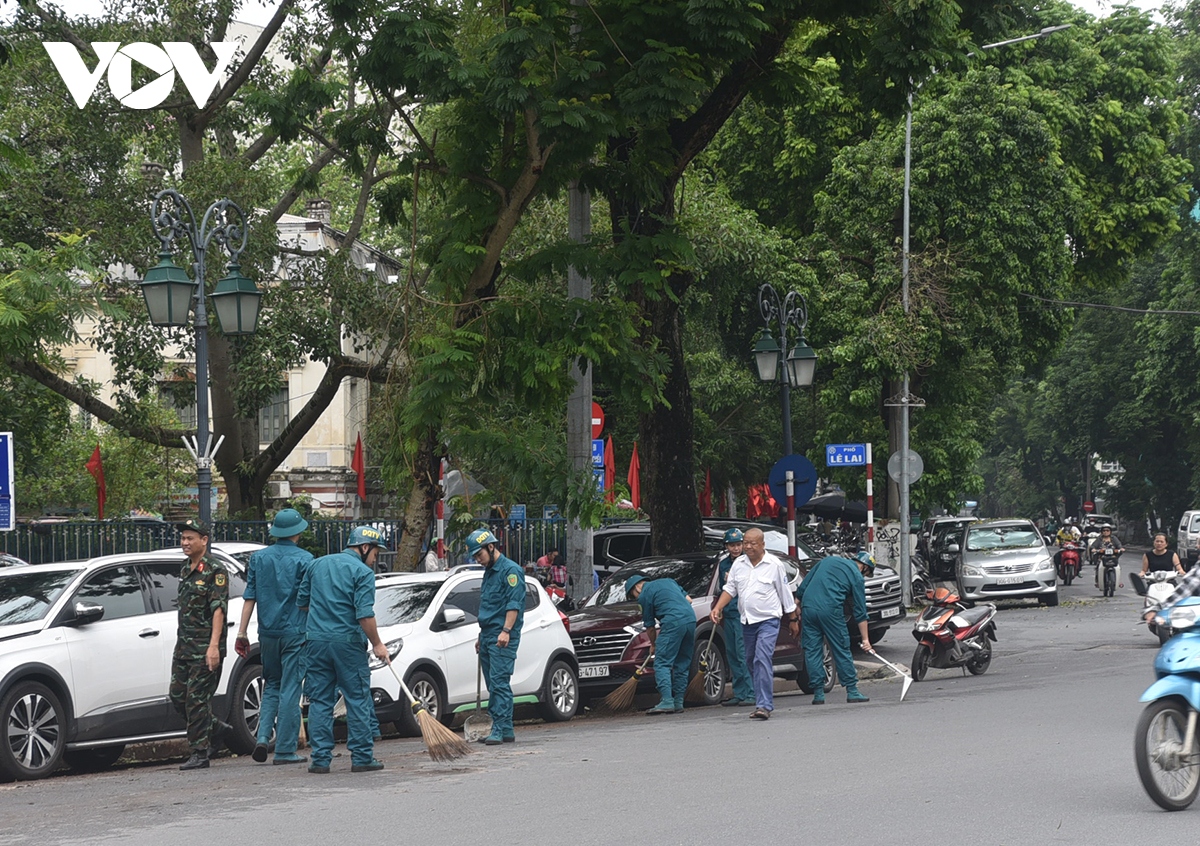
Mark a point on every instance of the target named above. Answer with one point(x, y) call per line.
point(7, 510)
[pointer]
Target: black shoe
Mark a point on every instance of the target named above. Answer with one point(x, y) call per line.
point(260, 753)
point(372, 767)
point(198, 761)
point(220, 733)
point(318, 769)
point(510, 738)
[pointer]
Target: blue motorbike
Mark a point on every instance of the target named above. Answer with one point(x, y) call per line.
point(1167, 743)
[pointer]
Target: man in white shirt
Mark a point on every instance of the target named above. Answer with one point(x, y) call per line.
point(759, 581)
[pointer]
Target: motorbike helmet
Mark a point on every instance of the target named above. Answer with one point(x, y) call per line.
point(366, 535)
point(866, 559)
point(733, 536)
point(633, 580)
point(478, 540)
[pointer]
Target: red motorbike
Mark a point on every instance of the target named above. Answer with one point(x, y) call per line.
point(1070, 561)
point(951, 633)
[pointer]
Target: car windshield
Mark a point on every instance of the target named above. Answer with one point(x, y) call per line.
point(693, 575)
point(1002, 537)
point(1195, 527)
point(403, 603)
point(27, 596)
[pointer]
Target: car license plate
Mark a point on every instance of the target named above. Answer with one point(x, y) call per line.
point(1010, 580)
point(593, 671)
point(890, 612)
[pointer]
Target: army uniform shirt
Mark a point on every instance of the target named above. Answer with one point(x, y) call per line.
point(202, 590)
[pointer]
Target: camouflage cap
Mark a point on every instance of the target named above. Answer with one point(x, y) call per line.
point(194, 525)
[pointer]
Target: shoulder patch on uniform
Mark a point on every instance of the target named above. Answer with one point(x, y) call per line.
point(220, 580)
point(512, 579)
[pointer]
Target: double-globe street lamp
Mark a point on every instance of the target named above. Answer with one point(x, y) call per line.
point(170, 295)
point(792, 364)
point(906, 400)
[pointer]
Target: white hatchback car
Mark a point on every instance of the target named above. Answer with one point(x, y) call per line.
point(429, 623)
point(85, 661)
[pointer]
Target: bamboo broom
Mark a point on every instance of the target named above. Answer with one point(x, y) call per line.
point(443, 744)
point(622, 698)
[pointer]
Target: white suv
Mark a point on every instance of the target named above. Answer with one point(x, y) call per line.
point(429, 623)
point(85, 661)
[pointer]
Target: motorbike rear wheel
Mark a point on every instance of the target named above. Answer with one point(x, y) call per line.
point(1068, 573)
point(920, 661)
point(1110, 581)
point(982, 660)
point(1169, 773)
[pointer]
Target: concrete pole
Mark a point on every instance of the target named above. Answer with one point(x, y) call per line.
point(578, 553)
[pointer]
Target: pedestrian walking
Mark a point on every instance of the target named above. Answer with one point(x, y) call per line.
point(664, 602)
point(501, 617)
point(822, 595)
point(758, 581)
point(338, 592)
point(735, 649)
point(272, 583)
point(199, 644)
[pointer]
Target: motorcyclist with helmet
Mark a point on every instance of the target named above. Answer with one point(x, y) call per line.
point(1107, 541)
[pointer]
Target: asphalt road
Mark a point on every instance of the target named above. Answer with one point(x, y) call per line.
point(1038, 750)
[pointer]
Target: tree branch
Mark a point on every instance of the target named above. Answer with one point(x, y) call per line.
point(289, 196)
point(259, 147)
point(101, 411)
point(57, 25)
point(238, 78)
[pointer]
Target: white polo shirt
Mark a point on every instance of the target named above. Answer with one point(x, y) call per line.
point(761, 589)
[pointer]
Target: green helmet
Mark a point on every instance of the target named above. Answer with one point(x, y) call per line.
point(366, 534)
point(866, 559)
point(633, 580)
point(478, 540)
point(733, 536)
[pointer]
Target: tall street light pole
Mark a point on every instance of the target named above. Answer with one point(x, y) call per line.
point(906, 400)
point(777, 359)
point(170, 294)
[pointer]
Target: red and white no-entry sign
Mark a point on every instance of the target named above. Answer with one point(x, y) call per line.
point(597, 420)
point(1088, 506)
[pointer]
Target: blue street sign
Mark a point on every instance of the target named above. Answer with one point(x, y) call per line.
point(804, 479)
point(551, 512)
point(598, 452)
point(845, 455)
point(7, 512)
point(598, 472)
point(516, 514)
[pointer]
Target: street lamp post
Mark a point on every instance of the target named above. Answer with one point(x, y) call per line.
point(906, 400)
point(792, 365)
point(170, 294)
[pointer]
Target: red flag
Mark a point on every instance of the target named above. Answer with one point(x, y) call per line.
point(760, 503)
point(610, 471)
point(706, 495)
point(96, 468)
point(359, 466)
point(635, 478)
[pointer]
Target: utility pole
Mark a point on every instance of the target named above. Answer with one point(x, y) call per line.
point(579, 406)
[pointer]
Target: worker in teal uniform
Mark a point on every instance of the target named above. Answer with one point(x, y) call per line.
point(735, 651)
point(822, 596)
point(338, 592)
point(664, 601)
point(501, 615)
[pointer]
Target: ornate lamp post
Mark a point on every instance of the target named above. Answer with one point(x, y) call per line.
point(170, 294)
point(791, 364)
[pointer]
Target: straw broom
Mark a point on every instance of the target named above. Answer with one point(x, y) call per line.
point(695, 688)
point(622, 698)
point(443, 744)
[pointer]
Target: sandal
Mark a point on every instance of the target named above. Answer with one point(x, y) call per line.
point(760, 714)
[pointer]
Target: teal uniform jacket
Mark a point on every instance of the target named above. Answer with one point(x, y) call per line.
point(723, 568)
point(827, 586)
point(338, 590)
point(503, 590)
point(273, 581)
point(665, 601)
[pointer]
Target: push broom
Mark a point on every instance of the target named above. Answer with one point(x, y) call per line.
point(443, 744)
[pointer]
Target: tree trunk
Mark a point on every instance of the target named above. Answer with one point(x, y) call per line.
point(236, 457)
point(419, 510)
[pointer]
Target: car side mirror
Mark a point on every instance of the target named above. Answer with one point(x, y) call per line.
point(953, 548)
point(452, 617)
point(87, 612)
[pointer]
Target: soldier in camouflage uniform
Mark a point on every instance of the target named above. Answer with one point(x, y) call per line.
point(200, 645)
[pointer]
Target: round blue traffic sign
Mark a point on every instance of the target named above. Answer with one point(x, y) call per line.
point(804, 479)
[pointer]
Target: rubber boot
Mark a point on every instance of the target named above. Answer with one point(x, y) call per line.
point(853, 694)
point(819, 698)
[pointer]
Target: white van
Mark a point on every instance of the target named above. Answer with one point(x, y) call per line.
point(1189, 536)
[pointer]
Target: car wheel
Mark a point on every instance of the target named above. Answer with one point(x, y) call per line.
point(34, 735)
point(920, 661)
point(1050, 601)
point(93, 760)
point(980, 663)
point(247, 705)
point(560, 694)
point(716, 672)
point(830, 673)
point(429, 693)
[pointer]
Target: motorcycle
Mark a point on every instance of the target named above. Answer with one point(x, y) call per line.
point(1107, 559)
point(1158, 586)
point(951, 633)
point(1166, 746)
point(1070, 561)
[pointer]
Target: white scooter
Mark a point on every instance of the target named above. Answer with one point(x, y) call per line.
point(1159, 584)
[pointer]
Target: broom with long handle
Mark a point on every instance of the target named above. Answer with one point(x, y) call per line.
point(622, 698)
point(908, 680)
point(443, 744)
point(695, 688)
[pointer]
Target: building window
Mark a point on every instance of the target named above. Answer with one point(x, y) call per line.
point(186, 412)
point(273, 416)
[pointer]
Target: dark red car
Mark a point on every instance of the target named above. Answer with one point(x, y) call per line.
point(610, 640)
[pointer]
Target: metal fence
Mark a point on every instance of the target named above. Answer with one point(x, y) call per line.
point(44, 543)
